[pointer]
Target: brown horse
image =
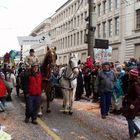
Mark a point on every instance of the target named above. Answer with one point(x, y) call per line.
point(47, 67)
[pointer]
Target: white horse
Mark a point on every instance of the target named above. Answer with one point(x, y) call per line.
point(68, 82)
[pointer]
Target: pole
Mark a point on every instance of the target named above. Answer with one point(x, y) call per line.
point(91, 29)
point(21, 51)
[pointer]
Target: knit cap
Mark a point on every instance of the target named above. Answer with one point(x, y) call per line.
point(134, 72)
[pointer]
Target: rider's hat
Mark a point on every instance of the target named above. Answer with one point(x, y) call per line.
point(35, 64)
point(32, 50)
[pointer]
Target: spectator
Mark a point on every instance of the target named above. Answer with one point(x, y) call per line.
point(80, 83)
point(33, 96)
point(12, 81)
point(133, 103)
point(2, 93)
point(105, 83)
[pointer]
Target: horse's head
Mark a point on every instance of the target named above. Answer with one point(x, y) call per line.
point(51, 57)
point(73, 62)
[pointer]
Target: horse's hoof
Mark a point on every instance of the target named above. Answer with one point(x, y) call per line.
point(70, 112)
point(63, 106)
point(40, 114)
point(64, 112)
point(48, 111)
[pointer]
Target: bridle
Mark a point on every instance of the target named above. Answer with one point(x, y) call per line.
point(71, 76)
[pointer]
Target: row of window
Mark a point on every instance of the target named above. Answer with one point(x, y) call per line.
point(107, 6)
point(71, 40)
point(71, 10)
point(71, 24)
point(107, 27)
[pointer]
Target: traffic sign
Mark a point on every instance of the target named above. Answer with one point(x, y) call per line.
point(101, 43)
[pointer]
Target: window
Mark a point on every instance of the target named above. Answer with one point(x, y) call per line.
point(78, 19)
point(85, 14)
point(94, 8)
point(72, 9)
point(104, 7)
point(99, 30)
point(104, 29)
point(110, 27)
point(99, 9)
point(110, 5)
point(74, 22)
point(116, 4)
point(138, 19)
point(81, 37)
point(71, 40)
point(66, 42)
point(81, 18)
point(116, 25)
point(78, 38)
point(74, 43)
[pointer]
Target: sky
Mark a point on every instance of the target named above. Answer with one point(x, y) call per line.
point(20, 17)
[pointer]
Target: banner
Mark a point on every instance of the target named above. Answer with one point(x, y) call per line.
point(30, 40)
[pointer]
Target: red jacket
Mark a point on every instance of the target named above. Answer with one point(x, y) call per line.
point(35, 85)
point(2, 88)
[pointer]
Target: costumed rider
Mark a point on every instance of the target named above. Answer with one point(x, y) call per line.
point(32, 58)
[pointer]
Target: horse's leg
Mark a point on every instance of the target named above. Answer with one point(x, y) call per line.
point(48, 92)
point(40, 108)
point(48, 103)
point(71, 100)
point(66, 101)
point(64, 98)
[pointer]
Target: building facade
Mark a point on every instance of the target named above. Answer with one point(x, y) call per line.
point(43, 29)
point(69, 28)
point(117, 20)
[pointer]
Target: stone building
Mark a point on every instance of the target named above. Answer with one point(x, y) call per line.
point(117, 20)
point(43, 29)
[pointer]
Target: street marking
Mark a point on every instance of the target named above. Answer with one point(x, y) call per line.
point(47, 129)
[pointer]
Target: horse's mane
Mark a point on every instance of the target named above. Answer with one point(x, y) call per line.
point(48, 59)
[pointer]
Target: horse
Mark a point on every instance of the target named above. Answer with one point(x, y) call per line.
point(68, 82)
point(46, 68)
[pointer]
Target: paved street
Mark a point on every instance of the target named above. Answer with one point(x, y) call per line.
point(84, 124)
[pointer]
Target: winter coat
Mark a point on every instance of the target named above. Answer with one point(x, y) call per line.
point(133, 98)
point(35, 84)
point(2, 89)
point(105, 81)
point(24, 80)
point(89, 63)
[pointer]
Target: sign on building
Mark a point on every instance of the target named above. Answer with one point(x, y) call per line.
point(30, 40)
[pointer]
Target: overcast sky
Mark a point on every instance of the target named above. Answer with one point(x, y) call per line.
point(20, 17)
